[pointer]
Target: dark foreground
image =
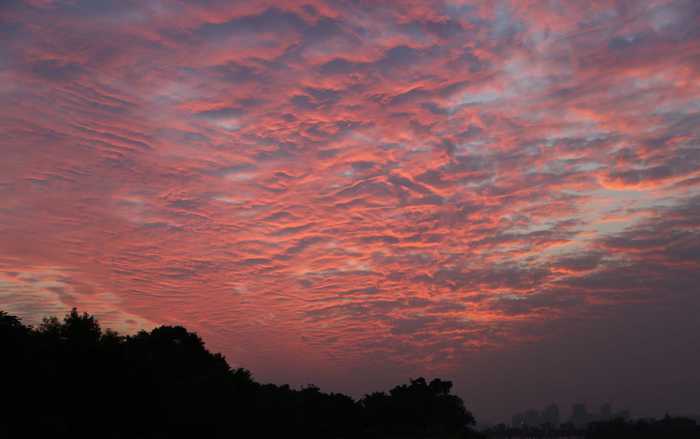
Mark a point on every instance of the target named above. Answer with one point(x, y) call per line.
point(71, 379)
point(620, 428)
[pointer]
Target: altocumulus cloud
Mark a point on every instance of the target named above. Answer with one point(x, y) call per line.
point(400, 188)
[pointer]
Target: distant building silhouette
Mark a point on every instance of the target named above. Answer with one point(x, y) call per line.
point(550, 415)
point(580, 416)
point(517, 420)
point(606, 423)
point(532, 418)
point(535, 418)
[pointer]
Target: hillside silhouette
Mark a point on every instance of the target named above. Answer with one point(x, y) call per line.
point(71, 379)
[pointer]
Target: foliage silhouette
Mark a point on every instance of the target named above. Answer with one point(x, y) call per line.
point(69, 378)
point(416, 410)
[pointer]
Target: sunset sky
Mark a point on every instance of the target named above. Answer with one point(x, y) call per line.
point(352, 193)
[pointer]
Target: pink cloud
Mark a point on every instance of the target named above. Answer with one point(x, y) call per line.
point(326, 184)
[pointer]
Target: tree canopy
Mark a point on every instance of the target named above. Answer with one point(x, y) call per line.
point(71, 378)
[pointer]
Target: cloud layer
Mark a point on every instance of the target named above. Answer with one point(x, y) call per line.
point(347, 192)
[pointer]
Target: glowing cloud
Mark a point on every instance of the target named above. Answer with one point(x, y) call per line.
point(334, 186)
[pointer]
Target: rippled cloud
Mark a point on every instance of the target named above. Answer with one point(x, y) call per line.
point(336, 186)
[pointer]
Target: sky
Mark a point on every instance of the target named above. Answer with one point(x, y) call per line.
point(353, 193)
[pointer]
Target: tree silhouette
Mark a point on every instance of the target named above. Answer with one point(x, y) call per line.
point(417, 410)
point(69, 378)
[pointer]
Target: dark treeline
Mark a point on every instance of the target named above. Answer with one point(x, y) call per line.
point(617, 428)
point(69, 378)
point(667, 427)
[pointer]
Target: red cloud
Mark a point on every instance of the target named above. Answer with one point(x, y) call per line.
point(327, 184)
